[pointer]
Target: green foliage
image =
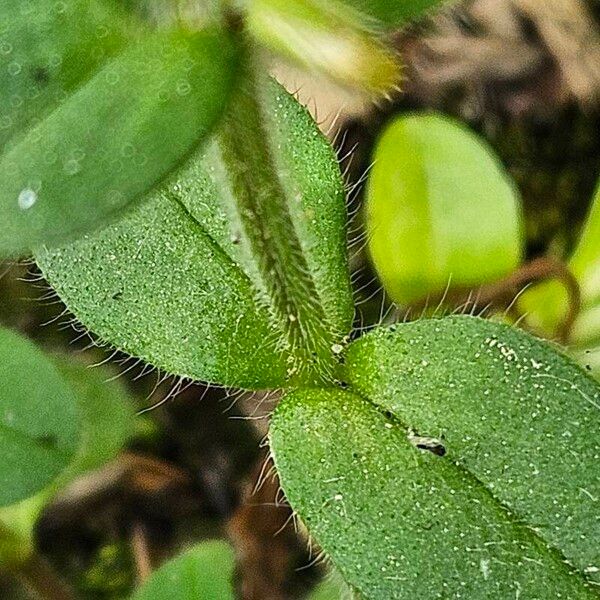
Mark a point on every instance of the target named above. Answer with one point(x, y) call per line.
point(462, 459)
point(547, 304)
point(388, 513)
point(39, 421)
point(440, 210)
point(197, 298)
point(395, 13)
point(48, 50)
point(106, 412)
point(205, 571)
point(50, 401)
point(331, 588)
point(114, 138)
point(519, 416)
point(585, 260)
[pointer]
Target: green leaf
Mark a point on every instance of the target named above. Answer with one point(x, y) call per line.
point(114, 137)
point(204, 572)
point(546, 305)
point(39, 422)
point(107, 416)
point(585, 260)
point(399, 522)
point(440, 210)
point(396, 12)
point(47, 50)
point(519, 416)
point(178, 282)
point(329, 38)
point(107, 422)
point(331, 587)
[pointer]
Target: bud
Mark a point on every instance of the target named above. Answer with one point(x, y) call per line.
point(328, 37)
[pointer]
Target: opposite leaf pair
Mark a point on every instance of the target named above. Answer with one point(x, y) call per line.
point(512, 506)
point(234, 272)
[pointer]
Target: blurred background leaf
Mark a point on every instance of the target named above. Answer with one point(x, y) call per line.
point(441, 211)
point(114, 138)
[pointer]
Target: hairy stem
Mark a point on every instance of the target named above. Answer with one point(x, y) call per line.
point(262, 203)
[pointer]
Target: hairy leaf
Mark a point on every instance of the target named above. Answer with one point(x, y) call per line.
point(284, 198)
point(178, 282)
point(203, 572)
point(399, 522)
point(114, 138)
point(39, 420)
point(518, 415)
point(440, 210)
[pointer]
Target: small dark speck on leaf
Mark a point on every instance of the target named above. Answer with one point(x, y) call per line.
point(48, 441)
point(436, 449)
point(41, 75)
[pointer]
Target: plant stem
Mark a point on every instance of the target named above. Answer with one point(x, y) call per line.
point(141, 552)
point(504, 292)
point(262, 204)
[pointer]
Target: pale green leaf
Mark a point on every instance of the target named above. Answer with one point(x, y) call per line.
point(546, 305)
point(329, 38)
point(39, 420)
point(399, 522)
point(518, 415)
point(441, 210)
point(177, 283)
point(114, 138)
point(204, 572)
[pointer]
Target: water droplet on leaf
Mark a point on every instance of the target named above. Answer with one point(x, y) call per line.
point(27, 198)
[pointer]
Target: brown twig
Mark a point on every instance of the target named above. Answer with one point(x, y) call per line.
point(141, 552)
point(503, 292)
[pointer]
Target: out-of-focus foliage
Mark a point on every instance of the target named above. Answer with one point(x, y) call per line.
point(441, 212)
point(112, 139)
point(328, 38)
point(39, 421)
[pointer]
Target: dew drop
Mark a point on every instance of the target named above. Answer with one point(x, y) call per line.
point(27, 198)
